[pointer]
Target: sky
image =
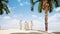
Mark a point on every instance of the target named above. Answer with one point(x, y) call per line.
point(20, 10)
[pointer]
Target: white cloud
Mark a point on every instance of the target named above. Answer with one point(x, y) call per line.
point(14, 15)
point(12, 23)
point(6, 17)
point(54, 22)
point(19, 0)
point(26, 3)
point(54, 17)
point(38, 25)
point(34, 16)
point(11, 7)
point(21, 4)
point(57, 9)
point(40, 18)
point(9, 22)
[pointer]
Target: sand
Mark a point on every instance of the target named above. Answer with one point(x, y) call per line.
point(17, 31)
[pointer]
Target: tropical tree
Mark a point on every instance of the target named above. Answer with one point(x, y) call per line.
point(46, 5)
point(4, 7)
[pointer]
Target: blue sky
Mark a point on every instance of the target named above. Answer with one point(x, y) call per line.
point(20, 10)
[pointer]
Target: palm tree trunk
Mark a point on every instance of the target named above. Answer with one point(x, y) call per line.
point(46, 19)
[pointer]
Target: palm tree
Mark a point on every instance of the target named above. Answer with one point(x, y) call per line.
point(3, 7)
point(45, 5)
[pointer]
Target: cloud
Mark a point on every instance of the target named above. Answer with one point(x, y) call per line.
point(21, 4)
point(12, 23)
point(19, 0)
point(57, 9)
point(11, 7)
point(38, 24)
point(26, 3)
point(34, 16)
point(54, 17)
point(6, 17)
point(15, 16)
point(54, 22)
point(8, 22)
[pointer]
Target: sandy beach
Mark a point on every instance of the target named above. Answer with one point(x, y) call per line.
point(17, 31)
point(56, 32)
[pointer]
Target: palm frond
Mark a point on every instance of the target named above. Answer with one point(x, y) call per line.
point(50, 9)
point(40, 7)
point(56, 3)
point(6, 8)
point(36, 2)
point(1, 12)
point(32, 8)
point(32, 5)
point(40, 0)
point(1, 7)
point(5, 1)
point(50, 5)
point(31, 1)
